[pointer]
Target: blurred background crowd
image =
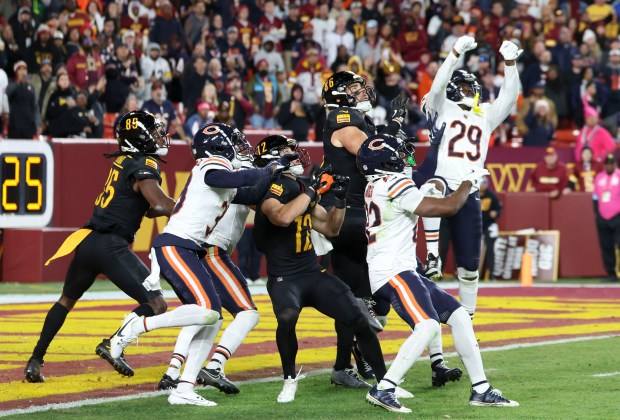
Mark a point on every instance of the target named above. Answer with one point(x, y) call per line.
point(70, 67)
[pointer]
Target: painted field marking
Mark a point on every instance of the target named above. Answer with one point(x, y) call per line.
point(601, 375)
point(141, 395)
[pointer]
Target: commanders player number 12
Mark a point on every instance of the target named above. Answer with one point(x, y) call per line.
point(302, 236)
point(35, 201)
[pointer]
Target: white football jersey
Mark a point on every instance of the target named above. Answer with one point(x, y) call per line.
point(466, 138)
point(228, 231)
point(200, 207)
point(390, 226)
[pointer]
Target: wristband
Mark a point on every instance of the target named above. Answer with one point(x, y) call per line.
point(310, 193)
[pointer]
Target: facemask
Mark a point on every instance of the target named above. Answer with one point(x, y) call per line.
point(364, 106)
point(295, 170)
point(162, 151)
point(467, 101)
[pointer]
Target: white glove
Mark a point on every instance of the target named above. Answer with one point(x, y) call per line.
point(509, 50)
point(464, 44)
point(475, 176)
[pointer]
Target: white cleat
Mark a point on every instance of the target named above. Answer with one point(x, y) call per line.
point(125, 335)
point(188, 397)
point(289, 389)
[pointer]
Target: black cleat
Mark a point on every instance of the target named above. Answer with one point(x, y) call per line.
point(216, 379)
point(491, 398)
point(32, 373)
point(363, 368)
point(348, 378)
point(167, 383)
point(443, 374)
point(119, 365)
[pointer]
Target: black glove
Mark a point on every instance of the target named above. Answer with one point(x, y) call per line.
point(283, 162)
point(322, 181)
point(399, 107)
point(339, 188)
point(435, 134)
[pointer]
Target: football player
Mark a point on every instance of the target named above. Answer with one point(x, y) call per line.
point(178, 253)
point(393, 204)
point(282, 227)
point(131, 191)
point(454, 101)
point(232, 288)
point(347, 99)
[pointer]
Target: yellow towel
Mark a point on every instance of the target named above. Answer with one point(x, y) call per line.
point(70, 244)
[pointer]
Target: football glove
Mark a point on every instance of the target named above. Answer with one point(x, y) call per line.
point(464, 44)
point(340, 186)
point(323, 181)
point(435, 133)
point(399, 107)
point(284, 162)
point(475, 176)
point(510, 50)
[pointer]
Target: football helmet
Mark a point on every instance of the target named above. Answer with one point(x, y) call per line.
point(459, 81)
point(384, 154)
point(142, 132)
point(216, 139)
point(268, 150)
point(335, 92)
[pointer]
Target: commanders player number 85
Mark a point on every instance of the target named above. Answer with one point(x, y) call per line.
point(108, 190)
point(131, 124)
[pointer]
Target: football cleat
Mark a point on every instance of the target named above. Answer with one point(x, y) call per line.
point(432, 268)
point(188, 397)
point(290, 388)
point(119, 364)
point(167, 383)
point(216, 379)
point(491, 398)
point(125, 335)
point(32, 372)
point(443, 374)
point(363, 368)
point(385, 398)
point(348, 378)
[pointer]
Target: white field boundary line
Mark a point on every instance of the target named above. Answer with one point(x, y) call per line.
point(602, 375)
point(141, 395)
point(256, 290)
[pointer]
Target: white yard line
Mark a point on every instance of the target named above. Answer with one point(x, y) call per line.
point(602, 375)
point(93, 401)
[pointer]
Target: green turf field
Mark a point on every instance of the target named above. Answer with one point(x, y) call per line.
point(550, 381)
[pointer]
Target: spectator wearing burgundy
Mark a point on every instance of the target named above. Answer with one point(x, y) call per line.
point(270, 24)
point(303, 44)
point(607, 200)
point(550, 175)
point(412, 40)
point(262, 89)
point(582, 175)
point(72, 17)
point(134, 19)
point(85, 66)
point(247, 30)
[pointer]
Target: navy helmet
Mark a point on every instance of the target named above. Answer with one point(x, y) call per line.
point(216, 139)
point(455, 92)
point(384, 154)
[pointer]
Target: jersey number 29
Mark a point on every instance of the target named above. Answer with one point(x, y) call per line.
point(473, 134)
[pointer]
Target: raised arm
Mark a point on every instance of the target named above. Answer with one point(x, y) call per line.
point(509, 92)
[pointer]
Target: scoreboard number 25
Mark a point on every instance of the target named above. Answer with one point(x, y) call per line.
point(26, 184)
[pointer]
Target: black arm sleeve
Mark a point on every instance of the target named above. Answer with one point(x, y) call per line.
point(222, 178)
point(254, 194)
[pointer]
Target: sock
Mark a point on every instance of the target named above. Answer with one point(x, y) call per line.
point(411, 349)
point(435, 350)
point(53, 322)
point(468, 289)
point(181, 349)
point(344, 343)
point(232, 338)
point(182, 316)
point(144, 310)
point(431, 233)
point(386, 384)
point(199, 349)
point(467, 346)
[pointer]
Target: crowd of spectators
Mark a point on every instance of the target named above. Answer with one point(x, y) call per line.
point(73, 65)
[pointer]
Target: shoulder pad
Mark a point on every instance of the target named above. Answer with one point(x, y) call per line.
point(144, 167)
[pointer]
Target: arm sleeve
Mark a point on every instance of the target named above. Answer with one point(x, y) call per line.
point(437, 95)
point(224, 178)
point(500, 109)
point(254, 194)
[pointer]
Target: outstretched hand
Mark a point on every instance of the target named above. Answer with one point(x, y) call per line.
point(510, 51)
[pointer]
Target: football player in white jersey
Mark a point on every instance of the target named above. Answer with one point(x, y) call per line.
point(393, 205)
point(453, 103)
point(179, 252)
